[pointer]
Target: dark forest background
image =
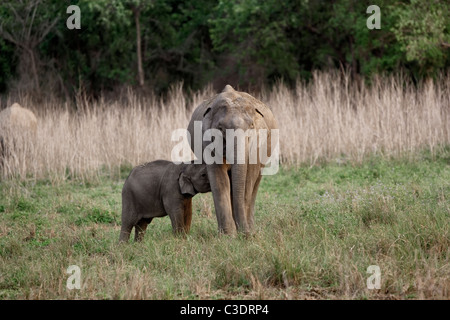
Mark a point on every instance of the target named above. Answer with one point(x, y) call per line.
point(151, 44)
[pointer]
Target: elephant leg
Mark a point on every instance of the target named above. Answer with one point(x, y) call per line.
point(221, 190)
point(128, 222)
point(177, 218)
point(238, 182)
point(139, 229)
point(255, 174)
point(125, 232)
point(231, 195)
point(187, 215)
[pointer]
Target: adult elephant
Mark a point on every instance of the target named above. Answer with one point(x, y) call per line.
point(234, 184)
point(18, 127)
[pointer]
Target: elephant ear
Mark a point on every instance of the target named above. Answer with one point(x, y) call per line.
point(207, 110)
point(257, 110)
point(186, 186)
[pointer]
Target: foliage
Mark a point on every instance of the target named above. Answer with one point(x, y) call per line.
point(422, 29)
point(245, 42)
point(7, 63)
point(255, 31)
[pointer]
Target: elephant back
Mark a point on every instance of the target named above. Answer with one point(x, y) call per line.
point(17, 118)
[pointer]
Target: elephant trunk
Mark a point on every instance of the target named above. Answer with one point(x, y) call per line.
point(238, 182)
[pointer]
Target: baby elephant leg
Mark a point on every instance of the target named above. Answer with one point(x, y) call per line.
point(140, 228)
point(187, 215)
point(181, 217)
point(129, 219)
point(125, 231)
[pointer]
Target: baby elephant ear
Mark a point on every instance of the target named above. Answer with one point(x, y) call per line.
point(186, 186)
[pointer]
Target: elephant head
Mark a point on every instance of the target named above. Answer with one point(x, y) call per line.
point(234, 184)
point(193, 179)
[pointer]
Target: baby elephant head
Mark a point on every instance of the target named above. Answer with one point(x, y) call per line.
point(194, 179)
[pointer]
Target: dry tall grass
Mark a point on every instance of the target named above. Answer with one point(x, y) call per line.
point(329, 118)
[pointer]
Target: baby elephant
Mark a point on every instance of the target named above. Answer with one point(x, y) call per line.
point(157, 189)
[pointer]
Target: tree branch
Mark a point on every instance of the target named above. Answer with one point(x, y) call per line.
point(6, 35)
point(19, 18)
point(46, 31)
point(32, 18)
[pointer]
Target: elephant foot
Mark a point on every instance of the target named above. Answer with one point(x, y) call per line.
point(227, 231)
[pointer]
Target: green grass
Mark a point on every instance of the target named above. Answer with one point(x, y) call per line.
point(317, 231)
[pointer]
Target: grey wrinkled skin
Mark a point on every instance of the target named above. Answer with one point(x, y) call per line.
point(157, 189)
point(234, 186)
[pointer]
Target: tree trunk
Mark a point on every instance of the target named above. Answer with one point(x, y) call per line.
point(137, 13)
point(34, 70)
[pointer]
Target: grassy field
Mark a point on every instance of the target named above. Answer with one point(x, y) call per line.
point(356, 189)
point(318, 229)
